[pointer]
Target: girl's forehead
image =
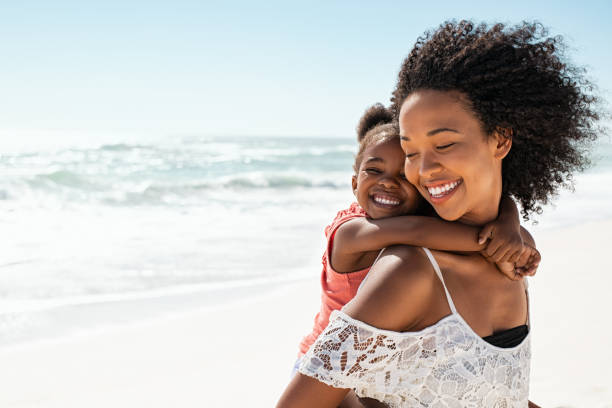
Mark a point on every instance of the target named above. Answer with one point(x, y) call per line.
point(383, 144)
point(381, 150)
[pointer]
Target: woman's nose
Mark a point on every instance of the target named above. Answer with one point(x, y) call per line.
point(429, 165)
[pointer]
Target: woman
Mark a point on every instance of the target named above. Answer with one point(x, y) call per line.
point(482, 112)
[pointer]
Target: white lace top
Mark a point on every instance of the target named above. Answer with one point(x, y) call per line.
point(444, 365)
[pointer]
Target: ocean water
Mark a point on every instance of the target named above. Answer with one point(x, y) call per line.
point(96, 234)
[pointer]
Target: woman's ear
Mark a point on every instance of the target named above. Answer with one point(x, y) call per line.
point(503, 141)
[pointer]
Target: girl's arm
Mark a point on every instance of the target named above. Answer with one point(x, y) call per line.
point(504, 238)
point(362, 235)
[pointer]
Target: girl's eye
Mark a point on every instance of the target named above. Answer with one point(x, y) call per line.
point(444, 146)
point(373, 170)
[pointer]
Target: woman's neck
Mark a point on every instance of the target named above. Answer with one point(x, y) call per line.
point(483, 214)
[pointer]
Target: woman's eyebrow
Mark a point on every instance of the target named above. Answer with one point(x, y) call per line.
point(439, 130)
point(432, 133)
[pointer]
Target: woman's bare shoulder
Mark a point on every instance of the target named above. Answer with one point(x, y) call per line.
point(484, 297)
point(398, 291)
point(467, 266)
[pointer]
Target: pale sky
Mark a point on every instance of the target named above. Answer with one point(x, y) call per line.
point(237, 67)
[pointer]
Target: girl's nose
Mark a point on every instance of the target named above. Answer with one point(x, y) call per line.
point(389, 181)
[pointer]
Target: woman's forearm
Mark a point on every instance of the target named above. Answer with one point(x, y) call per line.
point(306, 392)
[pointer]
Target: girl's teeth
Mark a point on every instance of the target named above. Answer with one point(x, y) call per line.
point(386, 201)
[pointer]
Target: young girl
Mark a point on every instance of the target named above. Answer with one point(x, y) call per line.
point(379, 219)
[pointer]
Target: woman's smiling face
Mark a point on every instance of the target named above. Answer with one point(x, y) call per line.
point(453, 163)
point(380, 186)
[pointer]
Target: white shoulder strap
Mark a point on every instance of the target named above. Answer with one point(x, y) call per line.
point(526, 283)
point(451, 304)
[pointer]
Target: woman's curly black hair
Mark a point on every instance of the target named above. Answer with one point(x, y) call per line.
point(376, 125)
point(516, 79)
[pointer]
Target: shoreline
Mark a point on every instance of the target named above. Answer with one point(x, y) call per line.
point(52, 320)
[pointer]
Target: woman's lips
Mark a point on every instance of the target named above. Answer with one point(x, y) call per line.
point(442, 191)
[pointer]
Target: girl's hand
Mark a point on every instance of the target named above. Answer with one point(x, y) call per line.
point(508, 269)
point(526, 265)
point(505, 241)
point(528, 261)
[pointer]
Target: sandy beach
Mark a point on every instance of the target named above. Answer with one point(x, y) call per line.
point(241, 353)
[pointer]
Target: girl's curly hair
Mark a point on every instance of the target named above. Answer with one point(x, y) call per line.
point(376, 125)
point(516, 79)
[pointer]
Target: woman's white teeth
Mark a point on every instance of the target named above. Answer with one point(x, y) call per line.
point(387, 201)
point(443, 189)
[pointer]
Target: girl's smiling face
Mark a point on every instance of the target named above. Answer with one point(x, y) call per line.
point(380, 186)
point(453, 163)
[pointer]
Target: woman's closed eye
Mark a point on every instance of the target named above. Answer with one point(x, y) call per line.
point(446, 146)
point(441, 147)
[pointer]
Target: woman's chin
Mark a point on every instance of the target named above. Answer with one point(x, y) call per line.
point(447, 214)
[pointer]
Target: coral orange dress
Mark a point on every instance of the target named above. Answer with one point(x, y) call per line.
point(337, 288)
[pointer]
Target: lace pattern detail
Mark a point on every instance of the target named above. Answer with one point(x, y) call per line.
point(444, 365)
